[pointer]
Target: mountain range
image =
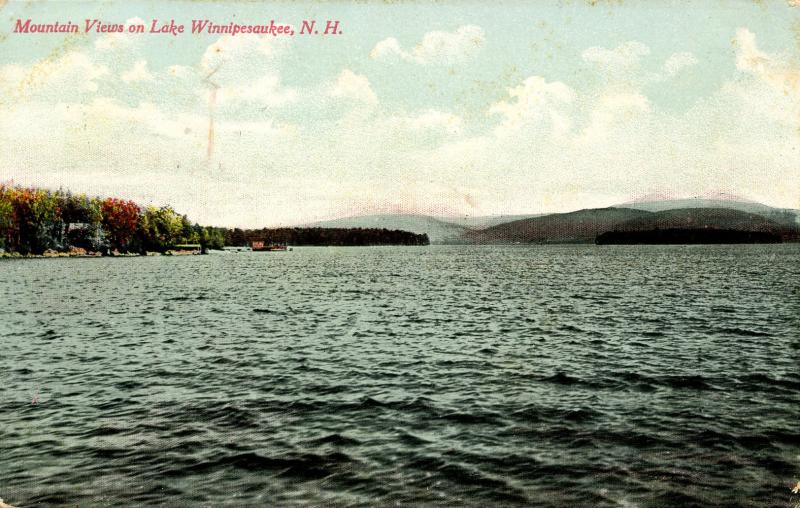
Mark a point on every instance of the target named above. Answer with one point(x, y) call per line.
point(583, 226)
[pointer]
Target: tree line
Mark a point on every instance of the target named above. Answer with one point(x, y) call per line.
point(358, 237)
point(33, 221)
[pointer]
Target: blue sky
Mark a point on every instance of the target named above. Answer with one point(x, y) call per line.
point(441, 107)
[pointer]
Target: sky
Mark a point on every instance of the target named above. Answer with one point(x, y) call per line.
point(445, 107)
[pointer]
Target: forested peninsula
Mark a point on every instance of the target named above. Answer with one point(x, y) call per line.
point(37, 221)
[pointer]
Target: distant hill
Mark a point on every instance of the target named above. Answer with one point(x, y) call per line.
point(584, 226)
point(445, 229)
point(573, 227)
point(671, 204)
point(783, 216)
point(719, 218)
point(486, 221)
point(438, 231)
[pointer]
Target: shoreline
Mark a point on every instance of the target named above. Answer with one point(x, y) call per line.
point(96, 255)
point(85, 255)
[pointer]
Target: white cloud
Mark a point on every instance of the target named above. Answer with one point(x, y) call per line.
point(265, 90)
point(74, 71)
point(243, 52)
point(437, 120)
point(748, 57)
point(71, 69)
point(119, 40)
point(435, 47)
point(678, 62)
point(137, 73)
point(145, 118)
point(388, 48)
point(424, 125)
point(244, 68)
point(616, 115)
point(11, 75)
point(770, 68)
point(353, 86)
point(535, 102)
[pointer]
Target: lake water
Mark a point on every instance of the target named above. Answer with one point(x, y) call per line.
point(469, 376)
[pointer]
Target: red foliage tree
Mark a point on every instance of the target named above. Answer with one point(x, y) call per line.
point(120, 218)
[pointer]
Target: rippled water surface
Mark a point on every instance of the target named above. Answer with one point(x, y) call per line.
point(552, 376)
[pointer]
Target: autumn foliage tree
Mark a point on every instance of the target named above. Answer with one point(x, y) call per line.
point(33, 221)
point(30, 220)
point(120, 219)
